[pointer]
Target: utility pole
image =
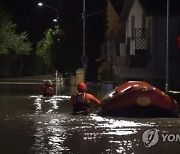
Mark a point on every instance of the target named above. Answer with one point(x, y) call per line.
point(84, 26)
point(167, 50)
point(84, 58)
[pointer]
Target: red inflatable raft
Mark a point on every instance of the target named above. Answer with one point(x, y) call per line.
point(138, 98)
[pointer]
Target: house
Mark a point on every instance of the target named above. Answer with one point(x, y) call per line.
point(110, 49)
point(139, 53)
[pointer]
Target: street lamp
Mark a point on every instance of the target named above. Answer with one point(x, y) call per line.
point(57, 12)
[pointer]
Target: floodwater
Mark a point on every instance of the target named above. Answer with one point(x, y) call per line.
point(33, 124)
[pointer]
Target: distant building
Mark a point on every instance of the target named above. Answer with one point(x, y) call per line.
point(135, 46)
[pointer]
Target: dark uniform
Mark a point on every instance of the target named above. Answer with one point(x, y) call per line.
point(80, 104)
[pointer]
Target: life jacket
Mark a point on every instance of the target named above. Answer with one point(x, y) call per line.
point(48, 91)
point(80, 104)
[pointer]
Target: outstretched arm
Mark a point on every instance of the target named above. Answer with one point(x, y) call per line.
point(93, 99)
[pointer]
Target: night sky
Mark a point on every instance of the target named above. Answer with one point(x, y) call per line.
point(35, 20)
point(30, 17)
point(95, 30)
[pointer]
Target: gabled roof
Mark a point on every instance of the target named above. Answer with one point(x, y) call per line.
point(126, 9)
point(118, 5)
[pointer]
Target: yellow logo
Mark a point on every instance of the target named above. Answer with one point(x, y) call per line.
point(144, 101)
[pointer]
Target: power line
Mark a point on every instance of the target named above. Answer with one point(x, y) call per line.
point(97, 12)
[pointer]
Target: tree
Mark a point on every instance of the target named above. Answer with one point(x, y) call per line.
point(59, 55)
point(10, 40)
point(13, 45)
point(44, 47)
point(53, 50)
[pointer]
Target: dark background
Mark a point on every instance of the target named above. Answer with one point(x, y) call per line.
point(35, 20)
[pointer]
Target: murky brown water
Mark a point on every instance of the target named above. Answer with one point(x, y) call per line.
point(30, 123)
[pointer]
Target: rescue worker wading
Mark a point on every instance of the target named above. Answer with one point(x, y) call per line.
point(82, 100)
point(47, 88)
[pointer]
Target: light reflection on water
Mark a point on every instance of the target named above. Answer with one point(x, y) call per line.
point(53, 101)
point(43, 125)
point(53, 131)
point(65, 133)
point(50, 135)
point(57, 133)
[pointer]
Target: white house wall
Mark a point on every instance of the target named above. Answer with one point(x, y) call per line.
point(136, 11)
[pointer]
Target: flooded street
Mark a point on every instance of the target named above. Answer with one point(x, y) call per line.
point(33, 124)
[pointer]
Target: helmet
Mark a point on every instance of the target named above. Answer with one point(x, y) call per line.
point(49, 83)
point(81, 87)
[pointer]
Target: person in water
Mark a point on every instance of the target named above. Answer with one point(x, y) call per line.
point(82, 100)
point(47, 88)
